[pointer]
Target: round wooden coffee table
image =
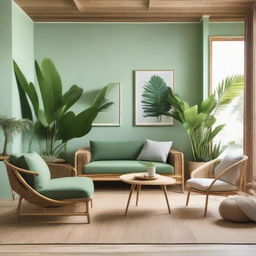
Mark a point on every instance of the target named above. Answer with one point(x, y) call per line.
point(161, 181)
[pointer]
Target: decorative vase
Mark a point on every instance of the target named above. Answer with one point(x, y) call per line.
point(151, 171)
point(193, 165)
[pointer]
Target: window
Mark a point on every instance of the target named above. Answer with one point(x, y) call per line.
point(227, 59)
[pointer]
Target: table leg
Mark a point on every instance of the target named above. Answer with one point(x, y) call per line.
point(166, 197)
point(129, 198)
point(138, 193)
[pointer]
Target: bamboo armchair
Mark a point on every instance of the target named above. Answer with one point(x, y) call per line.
point(206, 171)
point(25, 191)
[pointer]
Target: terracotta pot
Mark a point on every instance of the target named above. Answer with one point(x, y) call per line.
point(193, 165)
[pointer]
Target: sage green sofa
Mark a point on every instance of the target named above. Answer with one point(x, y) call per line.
point(106, 160)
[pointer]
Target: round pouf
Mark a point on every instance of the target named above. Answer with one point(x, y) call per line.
point(230, 211)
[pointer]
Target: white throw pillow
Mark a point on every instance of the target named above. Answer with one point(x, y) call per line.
point(156, 151)
point(229, 159)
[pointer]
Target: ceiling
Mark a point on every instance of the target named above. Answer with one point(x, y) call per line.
point(134, 10)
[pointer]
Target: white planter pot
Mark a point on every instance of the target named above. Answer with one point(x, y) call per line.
point(151, 171)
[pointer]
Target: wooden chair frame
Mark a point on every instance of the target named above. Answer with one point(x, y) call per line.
point(203, 172)
point(25, 191)
point(175, 158)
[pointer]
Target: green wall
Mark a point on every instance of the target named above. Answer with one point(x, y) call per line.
point(92, 55)
point(16, 42)
point(226, 29)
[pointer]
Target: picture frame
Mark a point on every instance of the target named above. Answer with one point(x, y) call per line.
point(147, 108)
point(112, 116)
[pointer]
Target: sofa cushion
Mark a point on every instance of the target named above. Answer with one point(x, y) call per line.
point(33, 162)
point(155, 151)
point(68, 188)
point(204, 183)
point(118, 150)
point(123, 166)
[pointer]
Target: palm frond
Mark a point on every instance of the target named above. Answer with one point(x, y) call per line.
point(155, 101)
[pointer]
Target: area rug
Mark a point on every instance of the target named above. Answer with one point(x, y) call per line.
point(149, 222)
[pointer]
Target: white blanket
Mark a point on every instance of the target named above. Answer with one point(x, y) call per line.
point(247, 205)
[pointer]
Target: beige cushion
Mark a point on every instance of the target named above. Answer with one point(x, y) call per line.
point(232, 175)
point(230, 211)
point(204, 183)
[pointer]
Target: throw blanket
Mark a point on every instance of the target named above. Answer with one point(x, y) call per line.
point(247, 205)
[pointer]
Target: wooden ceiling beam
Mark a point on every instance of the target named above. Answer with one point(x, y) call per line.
point(137, 14)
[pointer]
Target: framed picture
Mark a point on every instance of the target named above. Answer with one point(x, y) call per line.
point(151, 90)
point(111, 116)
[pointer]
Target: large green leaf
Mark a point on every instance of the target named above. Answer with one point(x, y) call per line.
point(228, 90)
point(53, 80)
point(20, 79)
point(46, 94)
point(70, 97)
point(155, 101)
point(29, 88)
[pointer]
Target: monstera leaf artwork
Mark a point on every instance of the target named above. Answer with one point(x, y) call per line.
point(155, 101)
point(152, 107)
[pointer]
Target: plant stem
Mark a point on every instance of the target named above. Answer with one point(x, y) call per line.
point(5, 144)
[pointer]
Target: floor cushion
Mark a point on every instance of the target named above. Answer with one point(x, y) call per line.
point(68, 188)
point(123, 166)
point(229, 210)
point(204, 183)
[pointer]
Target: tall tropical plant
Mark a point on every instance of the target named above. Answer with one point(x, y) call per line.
point(55, 123)
point(155, 98)
point(199, 120)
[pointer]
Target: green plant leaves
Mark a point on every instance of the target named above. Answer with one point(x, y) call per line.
point(200, 123)
point(155, 101)
point(54, 123)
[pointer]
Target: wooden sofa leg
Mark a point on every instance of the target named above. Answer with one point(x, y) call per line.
point(188, 196)
point(19, 208)
point(88, 211)
point(91, 203)
point(206, 205)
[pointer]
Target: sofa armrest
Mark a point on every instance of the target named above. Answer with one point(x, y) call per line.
point(176, 159)
point(82, 157)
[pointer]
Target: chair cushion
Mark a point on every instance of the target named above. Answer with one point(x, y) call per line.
point(68, 188)
point(33, 162)
point(115, 150)
point(123, 166)
point(155, 151)
point(233, 174)
point(204, 183)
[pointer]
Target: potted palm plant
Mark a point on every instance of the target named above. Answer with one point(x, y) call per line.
point(11, 127)
point(55, 123)
point(199, 120)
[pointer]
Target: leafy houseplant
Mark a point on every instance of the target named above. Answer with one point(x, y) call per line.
point(151, 168)
point(155, 98)
point(199, 121)
point(55, 123)
point(11, 127)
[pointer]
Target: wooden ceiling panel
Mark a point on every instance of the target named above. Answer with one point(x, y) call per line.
point(134, 10)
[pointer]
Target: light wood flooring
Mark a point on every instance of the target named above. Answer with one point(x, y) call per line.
point(125, 250)
point(147, 223)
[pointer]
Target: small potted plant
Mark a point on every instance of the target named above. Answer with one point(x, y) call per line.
point(11, 127)
point(151, 168)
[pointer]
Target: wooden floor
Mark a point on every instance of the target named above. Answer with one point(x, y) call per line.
point(125, 250)
point(147, 223)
